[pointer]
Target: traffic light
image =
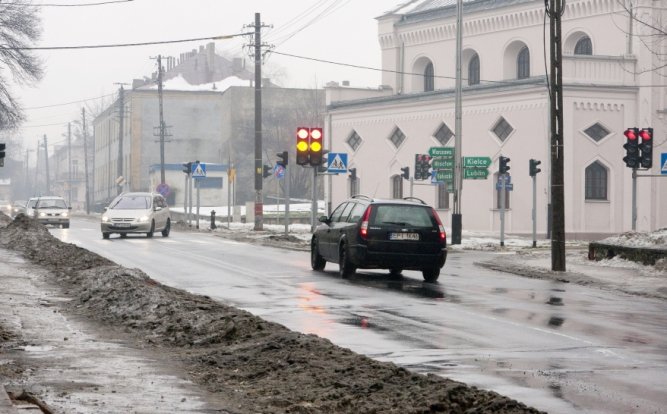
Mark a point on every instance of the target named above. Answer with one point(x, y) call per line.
point(503, 166)
point(353, 174)
point(302, 146)
point(406, 173)
point(2, 154)
point(422, 165)
point(533, 167)
point(631, 148)
point(268, 170)
point(316, 147)
point(187, 167)
point(283, 158)
point(646, 147)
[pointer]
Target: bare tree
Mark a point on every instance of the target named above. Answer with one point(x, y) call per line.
point(19, 28)
point(649, 29)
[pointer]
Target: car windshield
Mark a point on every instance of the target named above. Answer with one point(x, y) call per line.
point(132, 203)
point(32, 203)
point(403, 216)
point(51, 203)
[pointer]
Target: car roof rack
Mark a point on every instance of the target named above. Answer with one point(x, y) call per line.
point(414, 199)
point(362, 196)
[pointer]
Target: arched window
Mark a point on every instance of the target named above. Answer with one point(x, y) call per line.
point(429, 84)
point(523, 64)
point(596, 182)
point(473, 70)
point(584, 46)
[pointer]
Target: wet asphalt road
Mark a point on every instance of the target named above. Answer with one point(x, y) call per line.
point(554, 346)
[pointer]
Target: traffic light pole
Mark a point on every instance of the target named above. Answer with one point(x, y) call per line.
point(634, 199)
point(502, 209)
point(287, 194)
point(534, 210)
point(313, 205)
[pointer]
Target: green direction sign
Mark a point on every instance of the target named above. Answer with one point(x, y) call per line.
point(476, 162)
point(444, 152)
point(475, 173)
point(444, 175)
point(442, 163)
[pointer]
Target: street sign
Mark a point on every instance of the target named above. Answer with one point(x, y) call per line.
point(443, 152)
point(663, 163)
point(508, 186)
point(475, 173)
point(442, 163)
point(476, 162)
point(279, 171)
point(198, 170)
point(163, 189)
point(444, 175)
point(337, 162)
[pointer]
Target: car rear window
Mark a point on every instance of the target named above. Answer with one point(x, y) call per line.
point(400, 215)
point(132, 203)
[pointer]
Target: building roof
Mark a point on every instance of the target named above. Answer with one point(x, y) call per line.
point(418, 10)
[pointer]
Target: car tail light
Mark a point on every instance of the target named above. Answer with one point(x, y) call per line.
point(441, 228)
point(363, 230)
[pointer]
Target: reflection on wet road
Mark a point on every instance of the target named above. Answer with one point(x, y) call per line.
point(561, 348)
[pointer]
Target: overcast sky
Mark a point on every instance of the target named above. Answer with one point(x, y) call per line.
point(336, 30)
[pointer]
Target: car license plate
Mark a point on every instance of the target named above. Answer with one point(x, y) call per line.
point(403, 236)
point(123, 225)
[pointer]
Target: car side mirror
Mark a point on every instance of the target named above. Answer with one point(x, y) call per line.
point(324, 219)
point(106, 208)
point(69, 208)
point(157, 208)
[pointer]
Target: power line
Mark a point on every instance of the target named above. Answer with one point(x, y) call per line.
point(69, 5)
point(70, 103)
point(124, 44)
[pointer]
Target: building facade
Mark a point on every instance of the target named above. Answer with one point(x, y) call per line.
point(612, 81)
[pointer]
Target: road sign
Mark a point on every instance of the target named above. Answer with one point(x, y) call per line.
point(443, 152)
point(198, 170)
point(508, 186)
point(163, 188)
point(279, 171)
point(476, 162)
point(475, 173)
point(442, 164)
point(337, 162)
point(663, 163)
point(444, 175)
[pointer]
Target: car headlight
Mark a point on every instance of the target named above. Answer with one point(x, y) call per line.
point(42, 214)
point(65, 214)
point(143, 219)
point(105, 219)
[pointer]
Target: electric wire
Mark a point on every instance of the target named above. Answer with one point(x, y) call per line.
point(70, 103)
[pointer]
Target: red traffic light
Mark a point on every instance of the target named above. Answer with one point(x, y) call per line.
point(646, 134)
point(631, 133)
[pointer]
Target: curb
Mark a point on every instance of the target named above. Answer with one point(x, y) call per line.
point(6, 405)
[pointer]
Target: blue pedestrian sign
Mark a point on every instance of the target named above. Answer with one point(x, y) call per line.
point(279, 171)
point(337, 162)
point(199, 170)
point(663, 163)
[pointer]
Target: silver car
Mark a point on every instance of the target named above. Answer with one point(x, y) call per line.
point(51, 210)
point(139, 212)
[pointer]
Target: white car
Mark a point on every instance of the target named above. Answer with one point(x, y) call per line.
point(137, 212)
point(49, 210)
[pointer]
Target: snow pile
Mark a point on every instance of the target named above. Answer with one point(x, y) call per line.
point(656, 238)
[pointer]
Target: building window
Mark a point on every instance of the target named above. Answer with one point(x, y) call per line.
point(473, 70)
point(442, 197)
point(596, 182)
point(443, 134)
point(429, 81)
point(354, 140)
point(502, 129)
point(596, 132)
point(499, 192)
point(397, 186)
point(523, 64)
point(397, 137)
point(584, 46)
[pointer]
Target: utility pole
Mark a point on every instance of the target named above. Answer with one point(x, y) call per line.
point(259, 169)
point(457, 217)
point(162, 127)
point(121, 114)
point(46, 159)
point(556, 97)
point(37, 168)
point(69, 163)
point(85, 157)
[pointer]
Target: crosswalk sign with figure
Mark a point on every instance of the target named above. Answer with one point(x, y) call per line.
point(198, 170)
point(337, 162)
point(663, 163)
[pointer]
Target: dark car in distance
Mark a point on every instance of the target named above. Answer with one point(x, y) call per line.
point(367, 233)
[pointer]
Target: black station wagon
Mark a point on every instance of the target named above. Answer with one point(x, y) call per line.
point(366, 233)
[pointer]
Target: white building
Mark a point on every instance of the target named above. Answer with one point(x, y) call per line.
point(613, 79)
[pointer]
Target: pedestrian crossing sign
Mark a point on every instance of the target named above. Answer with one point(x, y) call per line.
point(198, 170)
point(337, 162)
point(663, 163)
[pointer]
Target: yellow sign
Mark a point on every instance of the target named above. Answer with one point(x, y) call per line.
point(231, 174)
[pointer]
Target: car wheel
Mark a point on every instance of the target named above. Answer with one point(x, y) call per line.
point(395, 272)
point(123, 235)
point(105, 235)
point(317, 262)
point(345, 268)
point(152, 230)
point(167, 228)
point(431, 274)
